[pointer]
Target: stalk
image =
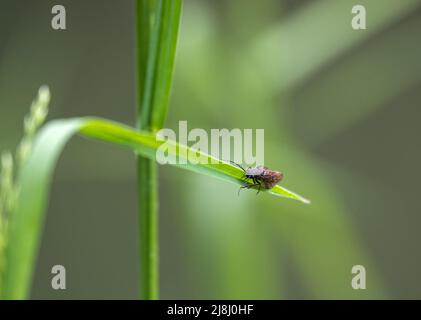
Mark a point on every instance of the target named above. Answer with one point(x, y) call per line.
point(157, 30)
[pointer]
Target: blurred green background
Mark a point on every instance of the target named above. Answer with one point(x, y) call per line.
point(340, 109)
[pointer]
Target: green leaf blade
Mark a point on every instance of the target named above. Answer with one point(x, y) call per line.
point(27, 219)
point(36, 177)
point(146, 144)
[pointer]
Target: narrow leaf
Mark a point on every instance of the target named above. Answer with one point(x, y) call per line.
point(35, 180)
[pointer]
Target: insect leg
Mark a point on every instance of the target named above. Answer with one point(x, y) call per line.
point(249, 186)
point(260, 185)
point(239, 189)
point(245, 186)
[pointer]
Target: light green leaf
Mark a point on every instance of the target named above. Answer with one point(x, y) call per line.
point(158, 23)
point(35, 179)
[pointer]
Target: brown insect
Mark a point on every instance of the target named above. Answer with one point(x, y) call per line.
point(261, 177)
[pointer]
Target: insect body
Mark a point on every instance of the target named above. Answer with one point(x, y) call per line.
point(261, 177)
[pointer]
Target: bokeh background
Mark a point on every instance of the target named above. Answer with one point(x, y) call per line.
point(341, 113)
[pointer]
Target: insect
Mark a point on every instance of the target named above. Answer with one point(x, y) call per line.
point(261, 177)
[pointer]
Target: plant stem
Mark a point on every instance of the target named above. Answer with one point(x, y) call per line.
point(146, 171)
point(157, 30)
point(148, 228)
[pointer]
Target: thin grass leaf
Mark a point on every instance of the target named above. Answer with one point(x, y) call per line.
point(158, 24)
point(36, 176)
point(147, 144)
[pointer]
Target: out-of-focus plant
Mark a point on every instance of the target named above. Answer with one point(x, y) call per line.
point(307, 60)
point(9, 186)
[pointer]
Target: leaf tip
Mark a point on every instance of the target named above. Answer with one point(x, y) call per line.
point(305, 201)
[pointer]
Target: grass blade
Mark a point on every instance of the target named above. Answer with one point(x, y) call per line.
point(27, 219)
point(35, 180)
point(156, 53)
point(147, 144)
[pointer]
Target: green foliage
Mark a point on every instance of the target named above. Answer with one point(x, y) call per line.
point(35, 180)
point(9, 187)
point(157, 29)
